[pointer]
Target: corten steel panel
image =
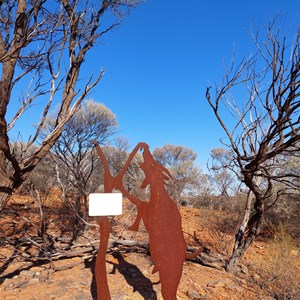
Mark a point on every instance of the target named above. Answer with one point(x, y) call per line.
point(160, 216)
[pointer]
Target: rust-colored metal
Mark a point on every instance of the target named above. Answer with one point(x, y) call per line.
point(160, 216)
point(100, 268)
point(162, 220)
point(110, 182)
point(104, 230)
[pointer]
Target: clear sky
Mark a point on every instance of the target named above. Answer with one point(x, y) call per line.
point(160, 61)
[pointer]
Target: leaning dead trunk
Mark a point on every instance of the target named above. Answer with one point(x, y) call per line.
point(248, 231)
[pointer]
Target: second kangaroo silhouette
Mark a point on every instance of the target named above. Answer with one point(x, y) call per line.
point(162, 220)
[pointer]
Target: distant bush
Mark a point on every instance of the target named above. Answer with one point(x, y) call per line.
point(287, 212)
point(233, 203)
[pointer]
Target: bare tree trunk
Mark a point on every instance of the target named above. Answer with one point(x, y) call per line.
point(247, 232)
point(6, 183)
point(42, 230)
point(69, 32)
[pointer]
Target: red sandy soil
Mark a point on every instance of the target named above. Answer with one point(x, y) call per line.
point(129, 274)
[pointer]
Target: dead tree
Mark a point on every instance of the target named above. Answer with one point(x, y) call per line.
point(261, 129)
point(43, 47)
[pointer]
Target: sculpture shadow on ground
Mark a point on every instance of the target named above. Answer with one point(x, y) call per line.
point(131, 273)
point(90, 263)
point(134, 277)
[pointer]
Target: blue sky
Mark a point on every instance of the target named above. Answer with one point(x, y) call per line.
point(160, 61)
point(162, 58)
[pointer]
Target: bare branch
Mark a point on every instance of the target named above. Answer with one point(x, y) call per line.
point(264, 129)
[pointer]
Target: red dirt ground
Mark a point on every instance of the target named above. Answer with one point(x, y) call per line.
point(129, 274)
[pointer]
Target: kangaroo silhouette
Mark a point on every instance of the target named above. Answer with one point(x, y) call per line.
point(160, 216)
point(162, 220)
point(110, 182)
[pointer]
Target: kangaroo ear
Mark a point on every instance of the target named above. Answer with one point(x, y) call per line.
point(166, 177)
point(166, 174)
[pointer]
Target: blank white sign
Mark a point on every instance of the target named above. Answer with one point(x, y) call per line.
point(105, 204)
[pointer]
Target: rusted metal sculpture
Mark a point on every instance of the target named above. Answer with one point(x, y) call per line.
point(161, 218)
point(104, 225)
point(163, 222)
point(110, 182)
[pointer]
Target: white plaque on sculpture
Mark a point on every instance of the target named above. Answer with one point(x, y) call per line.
point(105, 204)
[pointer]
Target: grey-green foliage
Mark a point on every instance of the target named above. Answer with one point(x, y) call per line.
point(44, 46)
point(73, 153)
point(180, 161)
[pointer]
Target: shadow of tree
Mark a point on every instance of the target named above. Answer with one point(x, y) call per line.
point(6, 264)
point(20, 269)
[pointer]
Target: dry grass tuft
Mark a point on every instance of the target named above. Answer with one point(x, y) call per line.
point(280, 272)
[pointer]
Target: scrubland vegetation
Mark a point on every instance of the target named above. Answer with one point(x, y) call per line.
point(249, 196)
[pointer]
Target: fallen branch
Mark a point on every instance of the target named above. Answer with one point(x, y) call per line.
point(209, 258)
point(89, 250)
